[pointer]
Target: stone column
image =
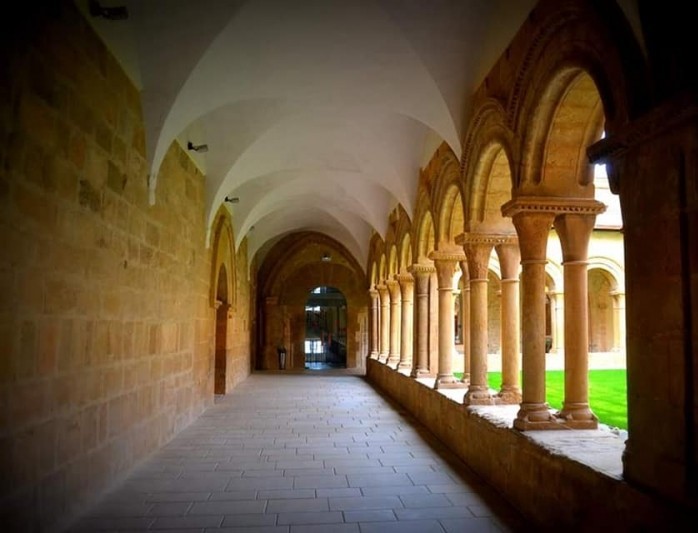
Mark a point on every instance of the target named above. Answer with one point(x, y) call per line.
point(394, 348)
point(618, 321)
point(478, 249)
point(465, 314)
point(406, 332)
point(445, 263)
point(575, 231)
point(532, 226)
point(383, 345)
point(509, 262)
point(420, 364)
point(375, 300)
point(557, 317)
point(273, 332)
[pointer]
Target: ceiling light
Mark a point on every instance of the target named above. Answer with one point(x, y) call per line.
point(326, 258)
point(201, 148)
point(233, 200)
point(109, 13)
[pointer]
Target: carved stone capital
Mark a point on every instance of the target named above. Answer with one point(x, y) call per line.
point(556, 206)
point(421, 270)
point(485, 238)
point(453, 256)
point(393, 289)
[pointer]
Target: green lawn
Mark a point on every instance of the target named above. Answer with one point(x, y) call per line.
point(607, 393)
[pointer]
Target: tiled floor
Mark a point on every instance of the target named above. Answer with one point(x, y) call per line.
point(304, 453)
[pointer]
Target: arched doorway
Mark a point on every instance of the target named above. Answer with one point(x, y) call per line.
point(325, 329)
point(221, 356)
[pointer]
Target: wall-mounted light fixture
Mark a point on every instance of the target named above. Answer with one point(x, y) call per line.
point(326, 258)
point(109, 13)
point(233, 200)
point(201, 148)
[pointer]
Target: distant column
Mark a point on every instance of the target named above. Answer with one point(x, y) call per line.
point(445, 263)
point(465, 314)
point(394, 348)
point(478, 249)
point(384, 323)
point(406, 330)
point(575, 231)
point(421, 274)
point(509, 262)
point(375, 302)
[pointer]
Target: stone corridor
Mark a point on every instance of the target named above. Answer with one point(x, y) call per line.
point(302, 453)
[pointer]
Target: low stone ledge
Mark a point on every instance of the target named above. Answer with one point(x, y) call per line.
point(568, 479)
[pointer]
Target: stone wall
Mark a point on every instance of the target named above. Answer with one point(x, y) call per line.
point(555, 492)
point(105, 319)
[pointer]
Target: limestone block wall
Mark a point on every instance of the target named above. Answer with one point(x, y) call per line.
point(105, 320)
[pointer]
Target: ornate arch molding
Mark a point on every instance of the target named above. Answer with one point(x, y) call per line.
point(423, 215)
point(611, 267)
point(223, 254)
point(487, 135)
point(376, 250)
point(562, 38)
point(276, 261)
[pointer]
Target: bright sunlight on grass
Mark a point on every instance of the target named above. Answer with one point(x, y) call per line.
point(607, 393)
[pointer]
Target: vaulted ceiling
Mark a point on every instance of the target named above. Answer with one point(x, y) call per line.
point(318, 114)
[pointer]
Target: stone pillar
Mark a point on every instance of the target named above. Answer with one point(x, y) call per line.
point(445, 263)
point(394, 348)
point(383, 345)
point(420, 364)
point(375, 302)
point(557, 317)
point(465, 314)
point(575, 231)
point(478, 249)
point(618, 321)
point(532, 226)
point(509, 262)
point(406, 329)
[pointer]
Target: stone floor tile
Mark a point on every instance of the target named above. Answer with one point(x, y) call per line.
point(362, 503)
point(395, 491)
point(268, 458)
point(326, 528)
point(383, 515)
point(319, 482)
point(228, 507)
point(411, 526)
point(300, 505)
point(296, 518)
point(285, 494)
point(246, 520)
point(183, 522)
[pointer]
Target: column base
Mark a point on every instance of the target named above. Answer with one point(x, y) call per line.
point(448, 382)
point(393, 361)
point(509, 396)
point(419, 373)
point(373, 355)
point(535, 416)
point(382, 357)
point(466, 378)
point(479, 396)
point(577, 416)
point(402, 365)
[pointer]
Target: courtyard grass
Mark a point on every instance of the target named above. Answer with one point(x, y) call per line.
point(607, 393)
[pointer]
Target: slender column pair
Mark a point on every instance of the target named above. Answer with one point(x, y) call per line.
point(420, 362)
point(574, 221)
point(375, 304)
point(445, 263)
